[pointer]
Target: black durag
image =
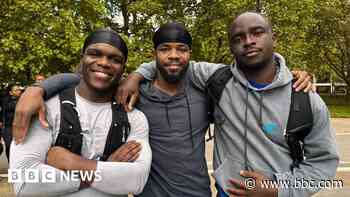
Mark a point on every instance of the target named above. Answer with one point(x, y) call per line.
point(172, 32)
point(107, 36)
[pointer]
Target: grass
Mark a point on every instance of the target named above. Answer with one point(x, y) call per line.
point(339, 111)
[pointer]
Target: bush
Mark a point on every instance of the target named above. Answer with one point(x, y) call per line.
point(336, 100)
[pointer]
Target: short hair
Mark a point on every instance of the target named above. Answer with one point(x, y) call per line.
point(249, 11)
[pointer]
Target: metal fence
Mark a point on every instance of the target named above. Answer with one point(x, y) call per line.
point(332, 88)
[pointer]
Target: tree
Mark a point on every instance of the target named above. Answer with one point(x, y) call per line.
point(138, 21)
point(291, 20)
point(331, 38)
point(44, 36)
point(313, 35)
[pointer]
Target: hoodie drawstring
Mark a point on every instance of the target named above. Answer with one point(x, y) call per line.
point(245, 124)
point(245, 130)
point(167, 114)
point(260, 110)
point(189, 117)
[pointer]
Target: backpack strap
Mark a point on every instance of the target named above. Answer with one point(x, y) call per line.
point(69, 135)
point(217, 82)
point(118, 132)
point(300, 122)
point(214, 88)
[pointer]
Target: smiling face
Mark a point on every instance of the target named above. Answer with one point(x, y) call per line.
point(172, 60)
point(251, 41)
point(102, 66)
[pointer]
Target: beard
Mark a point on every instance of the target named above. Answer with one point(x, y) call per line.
point(171, 77)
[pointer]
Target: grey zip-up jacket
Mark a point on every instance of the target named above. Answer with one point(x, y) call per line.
point(263, 113)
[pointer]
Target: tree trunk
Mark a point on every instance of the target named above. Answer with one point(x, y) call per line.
point(125, 13)
point(347, 80)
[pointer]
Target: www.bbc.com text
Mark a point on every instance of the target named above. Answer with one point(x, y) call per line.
point(299, 183)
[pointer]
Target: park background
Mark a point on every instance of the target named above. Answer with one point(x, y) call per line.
point(46, 36)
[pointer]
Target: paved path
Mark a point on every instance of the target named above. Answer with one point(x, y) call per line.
point(342, 127)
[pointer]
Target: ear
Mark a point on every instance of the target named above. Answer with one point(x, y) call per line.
point(124, 60)
point(79, 68)
point(231, 48)
point(81, 53)
point(274, 38)
point(154, 53)
point(124, 64)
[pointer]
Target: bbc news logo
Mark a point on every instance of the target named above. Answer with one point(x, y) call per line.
point(51, 175)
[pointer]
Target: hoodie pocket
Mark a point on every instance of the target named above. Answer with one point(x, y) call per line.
point(230, 169)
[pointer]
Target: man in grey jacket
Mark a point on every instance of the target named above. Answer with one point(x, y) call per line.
point(256, 148)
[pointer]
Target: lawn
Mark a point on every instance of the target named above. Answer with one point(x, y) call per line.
point(339, 111)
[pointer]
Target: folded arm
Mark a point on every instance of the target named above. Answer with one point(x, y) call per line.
point(128, 177)
point(31, 154)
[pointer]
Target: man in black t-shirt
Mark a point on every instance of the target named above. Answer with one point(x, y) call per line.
point(8, 106)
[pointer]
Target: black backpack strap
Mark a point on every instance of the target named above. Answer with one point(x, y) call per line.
point(69, 135)
point(300, 122)
point(214, 88)
point(217, 82)
point(118, 132)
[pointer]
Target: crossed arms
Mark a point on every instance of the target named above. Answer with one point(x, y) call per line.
point(125, 171)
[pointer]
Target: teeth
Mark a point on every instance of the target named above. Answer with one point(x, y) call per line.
point(101, 74)
point(251, 53)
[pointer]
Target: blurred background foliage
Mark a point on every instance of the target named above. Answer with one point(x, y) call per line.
point(46, 36)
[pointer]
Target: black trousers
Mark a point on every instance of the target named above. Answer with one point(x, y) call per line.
point(7, 136)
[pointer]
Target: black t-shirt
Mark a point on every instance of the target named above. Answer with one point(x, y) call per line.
point(8, 107)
